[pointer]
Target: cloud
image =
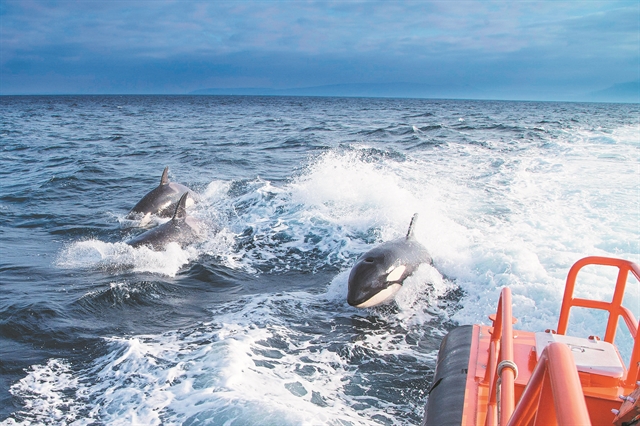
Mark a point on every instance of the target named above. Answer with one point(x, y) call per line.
point(171, 46)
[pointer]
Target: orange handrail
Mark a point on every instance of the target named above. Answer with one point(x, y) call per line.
point(501, 366)
point(553, 394)
point(615, 308)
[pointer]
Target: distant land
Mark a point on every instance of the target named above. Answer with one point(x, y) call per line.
point(385, 90)
point(624, 92)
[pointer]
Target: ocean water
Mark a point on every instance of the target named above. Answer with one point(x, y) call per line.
point(251, 325)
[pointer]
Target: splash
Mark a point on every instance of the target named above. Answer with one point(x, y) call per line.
point(119, 257)
point(264, 360)
point(50, 394)
point(338, 205)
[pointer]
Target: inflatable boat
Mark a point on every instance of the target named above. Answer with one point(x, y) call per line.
point(496, 375)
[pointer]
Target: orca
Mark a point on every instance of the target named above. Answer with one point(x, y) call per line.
point(379, 273)
point(182, 229)
point(162, 200)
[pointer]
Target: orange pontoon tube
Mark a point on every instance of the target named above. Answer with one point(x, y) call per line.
point(495, 375)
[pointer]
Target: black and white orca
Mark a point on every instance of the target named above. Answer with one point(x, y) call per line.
point(379, 273)
point(162, 200)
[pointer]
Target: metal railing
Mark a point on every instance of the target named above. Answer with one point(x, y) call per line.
point(554, 382)
point(615, 308)
point(502, 368)
point(553, 394)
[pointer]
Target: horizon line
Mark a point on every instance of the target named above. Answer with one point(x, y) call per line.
point(287, 95)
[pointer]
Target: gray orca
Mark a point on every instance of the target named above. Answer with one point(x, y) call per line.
point(162, 200)
point(379, 273)
point(182, 229)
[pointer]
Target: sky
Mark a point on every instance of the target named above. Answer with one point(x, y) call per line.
point(542, 50)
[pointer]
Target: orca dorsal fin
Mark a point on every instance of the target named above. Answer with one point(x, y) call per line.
point(165, 176)
point(412, 225)
point(181, 208)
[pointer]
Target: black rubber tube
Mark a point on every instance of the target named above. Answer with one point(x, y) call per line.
point(445, 401)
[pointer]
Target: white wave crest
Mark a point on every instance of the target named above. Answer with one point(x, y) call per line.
point(121, 256)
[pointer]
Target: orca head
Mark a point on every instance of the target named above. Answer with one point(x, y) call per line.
point(379, 273)
point(374, 279)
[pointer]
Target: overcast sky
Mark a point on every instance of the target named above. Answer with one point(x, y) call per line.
point(503, 49)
